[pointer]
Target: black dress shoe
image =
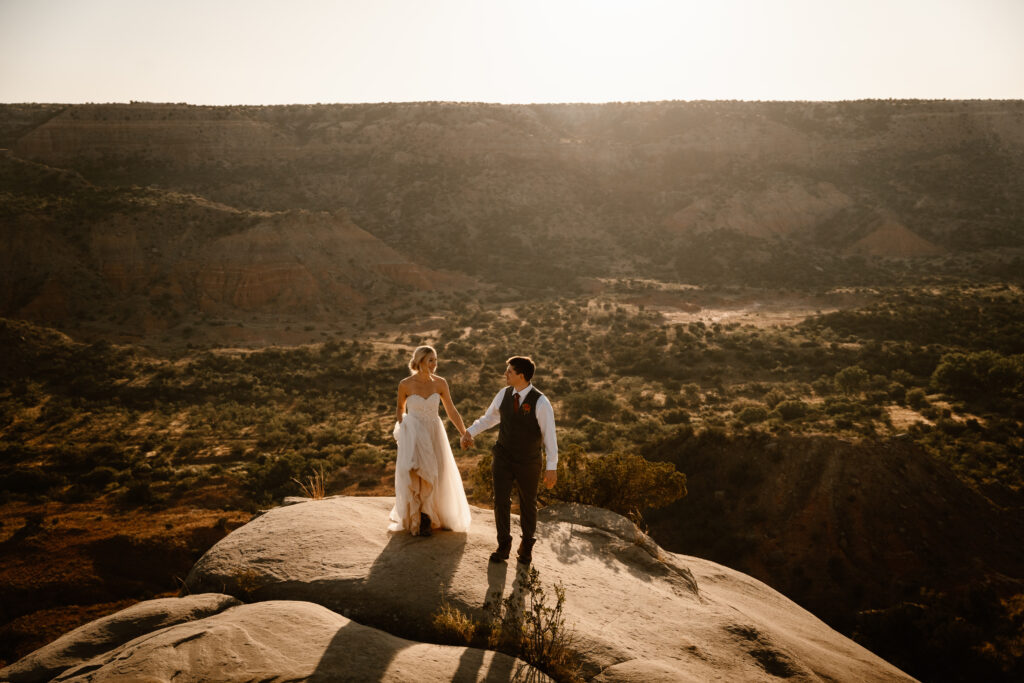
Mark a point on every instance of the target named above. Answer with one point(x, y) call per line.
point(500, 555)
point(525, 553)
point(425, 525)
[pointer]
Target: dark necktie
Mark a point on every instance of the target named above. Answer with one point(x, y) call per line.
point(515, 404)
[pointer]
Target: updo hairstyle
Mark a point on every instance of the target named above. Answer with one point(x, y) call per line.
point(418, 355)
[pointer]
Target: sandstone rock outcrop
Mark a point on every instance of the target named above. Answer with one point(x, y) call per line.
point(288, 640)
point(109, 633)
point(333, 596)
point(636, 609)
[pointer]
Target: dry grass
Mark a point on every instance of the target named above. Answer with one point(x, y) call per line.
point(522, 625)
point(314, 485)
point(454, 624)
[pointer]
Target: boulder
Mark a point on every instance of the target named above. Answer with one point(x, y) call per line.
point(107, 633)
point(637, 611)
point(288, 640)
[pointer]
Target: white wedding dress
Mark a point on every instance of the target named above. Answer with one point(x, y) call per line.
point(426, 477)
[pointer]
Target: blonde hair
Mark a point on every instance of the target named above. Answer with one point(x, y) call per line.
point(418, 355)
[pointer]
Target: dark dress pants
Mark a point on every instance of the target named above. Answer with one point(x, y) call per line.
point(527, 475)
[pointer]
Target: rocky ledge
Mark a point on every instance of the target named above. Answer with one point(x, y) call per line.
point(320, 591)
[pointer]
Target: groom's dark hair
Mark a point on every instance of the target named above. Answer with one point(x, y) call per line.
point(524, 365)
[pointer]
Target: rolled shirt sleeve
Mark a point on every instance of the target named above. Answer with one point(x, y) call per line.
point(546, 420)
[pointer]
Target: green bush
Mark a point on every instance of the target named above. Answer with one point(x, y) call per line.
point(851, 380)
point(752, 413)
point(982, 374)
point(368, 456)
point(791, 410)
point(273, 476)
point(599, 405)
point(620, 482)
point(675, 416)
point(917, 399)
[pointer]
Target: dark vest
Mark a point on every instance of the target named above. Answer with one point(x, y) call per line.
point(519, 437)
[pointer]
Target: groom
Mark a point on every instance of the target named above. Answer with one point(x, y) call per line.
point(527, 422)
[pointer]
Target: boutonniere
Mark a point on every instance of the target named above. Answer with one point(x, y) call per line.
point(526, 408)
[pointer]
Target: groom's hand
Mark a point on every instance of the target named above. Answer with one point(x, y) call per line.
point(466, 441)
point(550, 478)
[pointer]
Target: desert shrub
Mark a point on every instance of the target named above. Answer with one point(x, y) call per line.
point(675, 416)
point(274, 439)
point(896, 392)
point(599, 436)
point(752, 413)
point(774, 398)
point(981, 374)
point(272, 476)
point(620, 482)
point(877, 398)
point(851, 380)
point(902, 376)
point(823, 386)
point(878, 383)
point(791, 410)
point(523, 625)
point(599, 405)
point(368, 456)
point(917, 399)
point(482, 480)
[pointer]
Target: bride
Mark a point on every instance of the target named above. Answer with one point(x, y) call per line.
point(428, 486)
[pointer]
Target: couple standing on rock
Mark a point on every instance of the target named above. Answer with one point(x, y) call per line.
point(428, 487)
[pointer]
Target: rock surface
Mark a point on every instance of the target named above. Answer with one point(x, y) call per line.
point(287, 640)
point(333, 597)
point(639, 612)
point(110, 632)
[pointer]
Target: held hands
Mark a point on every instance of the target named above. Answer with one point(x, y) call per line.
point(550, 478)
point(467, 440)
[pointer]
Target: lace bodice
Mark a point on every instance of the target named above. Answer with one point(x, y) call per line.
point(418, 406)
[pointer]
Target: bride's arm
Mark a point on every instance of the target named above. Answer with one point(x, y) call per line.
point(402, 395)
point(450, 409)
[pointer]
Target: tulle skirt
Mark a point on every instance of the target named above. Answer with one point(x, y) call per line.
point(426, 477)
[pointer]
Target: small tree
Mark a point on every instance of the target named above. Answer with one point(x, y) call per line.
point(852, 379)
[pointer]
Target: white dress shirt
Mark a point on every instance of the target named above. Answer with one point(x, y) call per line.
point(545, 415)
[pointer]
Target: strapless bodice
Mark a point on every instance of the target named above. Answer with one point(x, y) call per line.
point(423, 407)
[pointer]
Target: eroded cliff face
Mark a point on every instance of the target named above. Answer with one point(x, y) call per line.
point(153, 257)
point(418, 175)
point(688, 191)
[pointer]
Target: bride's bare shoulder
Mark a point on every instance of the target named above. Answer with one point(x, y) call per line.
point(440, 383)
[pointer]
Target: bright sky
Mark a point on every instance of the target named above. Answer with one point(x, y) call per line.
point(306, 51)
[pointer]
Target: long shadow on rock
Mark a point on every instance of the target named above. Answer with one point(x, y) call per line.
point(403, 588)
point(401, 592)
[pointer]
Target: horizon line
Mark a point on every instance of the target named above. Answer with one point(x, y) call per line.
point(521, 104)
